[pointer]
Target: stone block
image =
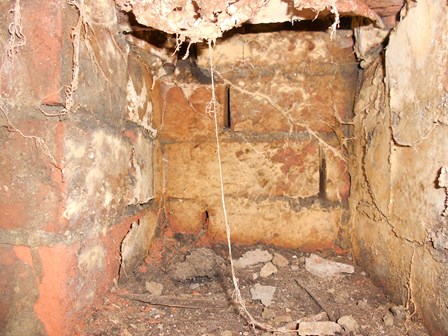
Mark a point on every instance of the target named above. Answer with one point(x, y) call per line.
point(97, 174)
point(267, 221)
point(142, 177)
point(135, 245)
point(283, 102)
point(310, 85)
point(140, 95)
point(187, 215)
point(257, 169)
point(285, 47)
point(183, 114)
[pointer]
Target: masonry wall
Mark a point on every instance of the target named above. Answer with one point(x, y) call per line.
point(283, 99)
point(399, 233)
point(75, 179)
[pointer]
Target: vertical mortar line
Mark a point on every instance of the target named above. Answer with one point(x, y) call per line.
point(322, 174)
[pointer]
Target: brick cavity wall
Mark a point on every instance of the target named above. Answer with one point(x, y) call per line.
point(283, 98)
point(73, 185)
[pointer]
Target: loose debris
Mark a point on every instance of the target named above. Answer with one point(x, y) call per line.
point(154, 288)
point(319, 328)
point(324, 268)
point(263, 293)
point(267, 270)
point(252, 258)
point(200, 263)
point(292, 302)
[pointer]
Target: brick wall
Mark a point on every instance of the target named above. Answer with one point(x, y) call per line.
point(282, 98)
point(73, 186)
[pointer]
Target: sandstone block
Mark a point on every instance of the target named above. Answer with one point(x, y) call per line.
point(184, 113)
point(260, 169)
point(267, 221)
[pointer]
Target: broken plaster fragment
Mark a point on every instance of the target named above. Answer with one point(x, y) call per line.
point(267, 270)
point(251, 258)
point(325, 268)
point(443, 183)
point(263, 293)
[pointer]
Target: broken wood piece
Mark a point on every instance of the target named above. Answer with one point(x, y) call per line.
point(318, 301)
point(177, 302)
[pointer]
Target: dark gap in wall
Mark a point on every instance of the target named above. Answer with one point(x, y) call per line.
point(227, 111)
point(205, 220)
point(305, 25)
point(322, 175)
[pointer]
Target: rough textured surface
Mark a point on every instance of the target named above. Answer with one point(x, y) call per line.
point(396, 202)
point(198, 20)
point(281, 134)
point(73, 183)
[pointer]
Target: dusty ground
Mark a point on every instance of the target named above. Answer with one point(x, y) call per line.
point(201, 305)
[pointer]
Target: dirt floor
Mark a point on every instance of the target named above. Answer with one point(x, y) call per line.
point(183, 289)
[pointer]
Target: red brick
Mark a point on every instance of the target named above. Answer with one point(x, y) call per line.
point(39, 61)
point(57, 295)
point(32, 185)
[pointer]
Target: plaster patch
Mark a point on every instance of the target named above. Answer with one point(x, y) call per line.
point(74, 150)
point(91, 259)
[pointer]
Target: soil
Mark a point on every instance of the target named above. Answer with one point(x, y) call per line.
point(204, 306)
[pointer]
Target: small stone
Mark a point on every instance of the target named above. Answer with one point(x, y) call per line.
point(319, 328)
point(194, 286)
point(294, 268)
point(253, 257)
point(267, 314)
point(267, 270)
point(263, 293)
point(388, 320)
point(201, 262)
point(322, 316)
point(154, 288)
point(400, 312)
point(227, 333)
point(279, 260)
point(361, 304)
point(348, 323)
point(255, 276)
point(341, 297)
point(279, 319)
